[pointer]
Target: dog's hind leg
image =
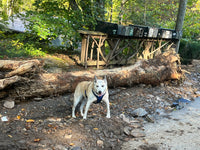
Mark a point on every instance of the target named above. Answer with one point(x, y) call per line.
point(76, 101)
point(82, 105)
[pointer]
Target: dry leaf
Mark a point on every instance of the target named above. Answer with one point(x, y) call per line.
point(18, 117)
point(71, 144)
point(50, 126)
point(30, 120)
point(96, 128)
point(10, 136)
point(37, 140)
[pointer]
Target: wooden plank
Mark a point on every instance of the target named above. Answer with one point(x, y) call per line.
point(91, 32)
point(86, 51)
point(83, 47)
point(94, 63)
point(92, 49)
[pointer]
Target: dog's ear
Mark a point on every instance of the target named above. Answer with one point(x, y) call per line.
point(95, 78)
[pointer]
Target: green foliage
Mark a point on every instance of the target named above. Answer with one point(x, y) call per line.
point(51, 18)
point(13, 46)
point(189, 50)
point(192, 23)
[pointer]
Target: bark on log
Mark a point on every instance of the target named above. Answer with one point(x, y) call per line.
point(154, 71)
point(11, 71)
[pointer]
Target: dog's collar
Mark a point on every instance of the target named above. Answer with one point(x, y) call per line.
point(99, 98)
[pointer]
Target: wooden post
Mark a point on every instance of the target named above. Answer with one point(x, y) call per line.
point(83, 47)
point(98, 49)
point(86, 50)
point(92, 49)
point(180, 20)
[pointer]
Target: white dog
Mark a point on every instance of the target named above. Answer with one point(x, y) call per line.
point(88, 92)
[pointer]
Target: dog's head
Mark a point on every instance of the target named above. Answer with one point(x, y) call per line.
point(100, 86)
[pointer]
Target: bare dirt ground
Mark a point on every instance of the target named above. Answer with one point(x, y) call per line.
point(46, 123)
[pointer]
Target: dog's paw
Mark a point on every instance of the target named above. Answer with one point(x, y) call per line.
point(108, 116)
point(73, 116)
point(84, 117)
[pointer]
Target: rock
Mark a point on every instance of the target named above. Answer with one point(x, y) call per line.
point(125, 119)
point(140, 112)
point(136, 125)
point(9, 104)
point(127, 130)
point(137, 133)
point(68, 136)
point(4, 119)
point(150, 96)
point(76, 148)
point(100, 143)
point(53, 119)
point(150, 118)
point(197, 93)
point(37, 98)
point(162, 84)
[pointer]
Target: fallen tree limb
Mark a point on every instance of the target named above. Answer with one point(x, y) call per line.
point(154, 71)
point(8, 81)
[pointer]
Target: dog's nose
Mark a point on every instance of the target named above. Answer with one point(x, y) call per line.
point(99, 92)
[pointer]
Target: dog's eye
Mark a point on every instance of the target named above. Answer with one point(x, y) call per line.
point(97, 86)
point(102, 86)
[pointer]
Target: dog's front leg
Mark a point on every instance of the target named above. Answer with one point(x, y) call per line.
point(87, 108)
point(108, 109)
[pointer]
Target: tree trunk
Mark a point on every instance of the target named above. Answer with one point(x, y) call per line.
point(180, 20)
point(27, 83)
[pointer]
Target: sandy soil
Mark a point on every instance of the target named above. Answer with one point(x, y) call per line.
point(174, 131)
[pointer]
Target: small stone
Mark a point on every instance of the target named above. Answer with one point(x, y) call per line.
point(76, 148)
point(142, 85)
point(136, 125)
point(52, 119)
point(198, 93)
point(140, 112)
point(100, 143)
point(37, 98)
point(61, 147)
point(162, 84)
point(150, 96)
point(150, 118)
point(4, 119)
point(9, 104)
point(127, 130)
point(137, 133)
point(68, 136)
point(125, 119)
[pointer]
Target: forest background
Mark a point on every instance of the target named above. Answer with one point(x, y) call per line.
point(51, 18)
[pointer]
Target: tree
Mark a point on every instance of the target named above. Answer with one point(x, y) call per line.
point(180, 20)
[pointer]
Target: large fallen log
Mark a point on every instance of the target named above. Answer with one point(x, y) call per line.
point(153, 71)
